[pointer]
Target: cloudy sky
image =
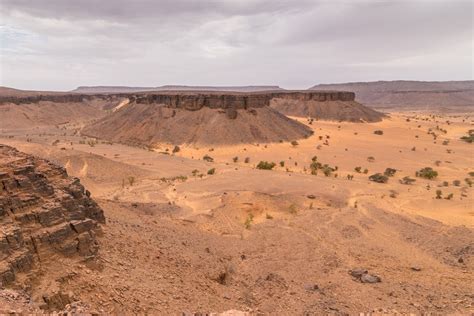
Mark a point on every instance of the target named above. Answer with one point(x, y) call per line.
point(61, 44)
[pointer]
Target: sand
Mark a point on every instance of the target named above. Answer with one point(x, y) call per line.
point(275, 242)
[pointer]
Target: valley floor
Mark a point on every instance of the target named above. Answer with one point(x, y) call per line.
point(180, 238)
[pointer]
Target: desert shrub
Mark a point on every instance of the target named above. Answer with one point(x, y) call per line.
point(131, 180)
point(176, 149)
point(468, 181)
point(194, 172)
point(265, 165)
point(445, 183)
point(248, 221)
point(390, 172)
point(268, 216)
point(91, 143)
point(470, 136)
point(366, 171)
point(449, 196)
point(457, 183)
point(294, 143)
point(445, 142)
point(379, 178)
point(315, 166)
point(350, 177)
point(439, 194)
point(370, 159)
point(427, 173)
point(471, 174)
point(235, 159)
point(208, 158)
point(378, 132)
point(211, 171)
point(282, 163)
point(327, 170)
point(358, 169)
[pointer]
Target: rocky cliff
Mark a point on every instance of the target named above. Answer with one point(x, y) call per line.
point(195, 101)
point(44, 215)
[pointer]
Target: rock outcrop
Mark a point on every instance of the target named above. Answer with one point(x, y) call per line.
point(44, 214)
point(208, 117)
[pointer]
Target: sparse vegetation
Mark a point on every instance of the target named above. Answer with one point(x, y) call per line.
point(439, 194)
point(427, 173)
point(378, 132)
point(294, 143)
point(379, 178)
point(390, 172)
point(265, 165)
point(248, 221)
point(247, 160)
point(211, 171)
point(235, 159)
point(282, 163)
point(208, 158)
point(470, 136)
point(131, 180)
point(407, 180)
point(176, 149)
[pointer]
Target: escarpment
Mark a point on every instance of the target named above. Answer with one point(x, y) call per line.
point(44, 215)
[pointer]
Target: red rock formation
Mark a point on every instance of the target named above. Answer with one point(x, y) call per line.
point(44, 213)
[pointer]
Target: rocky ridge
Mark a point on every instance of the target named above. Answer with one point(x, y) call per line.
point(44, 214)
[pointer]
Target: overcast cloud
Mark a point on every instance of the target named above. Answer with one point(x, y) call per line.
point(61, 44)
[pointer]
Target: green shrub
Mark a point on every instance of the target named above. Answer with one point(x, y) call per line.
point(427, 173)
point(379, 178)
point(211, 171)
point(470, 136)
point(265, 165)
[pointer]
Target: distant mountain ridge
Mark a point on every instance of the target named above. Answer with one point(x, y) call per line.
point(409, 94)
point(126, 89)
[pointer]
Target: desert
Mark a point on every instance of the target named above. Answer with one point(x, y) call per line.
point(205, 224)
point(236, 158)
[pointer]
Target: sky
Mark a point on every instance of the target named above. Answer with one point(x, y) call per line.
point(62, 44)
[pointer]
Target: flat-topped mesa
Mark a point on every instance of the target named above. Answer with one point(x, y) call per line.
point(56, 98)
point(196, 101)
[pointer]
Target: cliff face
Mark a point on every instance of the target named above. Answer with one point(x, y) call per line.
point(196, 101)
point(187, 99)
point(44, 215)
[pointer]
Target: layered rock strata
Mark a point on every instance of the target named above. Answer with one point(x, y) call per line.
point(44, 214)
